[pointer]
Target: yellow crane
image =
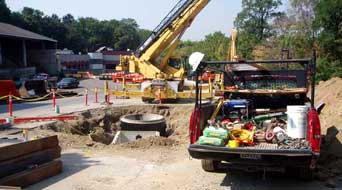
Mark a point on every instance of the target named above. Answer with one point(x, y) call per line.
point(164, 76)
point(232, 51)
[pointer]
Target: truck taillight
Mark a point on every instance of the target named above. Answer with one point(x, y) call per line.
point(314, 131)
point(195, 125)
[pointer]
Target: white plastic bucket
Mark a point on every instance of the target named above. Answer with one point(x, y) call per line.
point(297, 121)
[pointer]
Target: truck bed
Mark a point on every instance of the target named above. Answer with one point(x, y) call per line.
point(210, 152)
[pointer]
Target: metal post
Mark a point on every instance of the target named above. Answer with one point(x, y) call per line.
point(24, 53)
point(10, 105)
point(53, 99)
point(105, 87)
point(108, 98)
point(86, 97)
point(160, 96)
point(210, 86)
point(0, 55)
point(313, 79)
point(197, 91)
point(96, 96)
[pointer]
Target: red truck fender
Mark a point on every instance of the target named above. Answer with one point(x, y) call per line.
point(195, 125)
point(314, 131)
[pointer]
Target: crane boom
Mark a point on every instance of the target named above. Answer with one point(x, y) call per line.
point(167, 21)
point(175, 23)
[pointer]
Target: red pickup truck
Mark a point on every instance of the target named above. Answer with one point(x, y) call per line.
point(256, 103)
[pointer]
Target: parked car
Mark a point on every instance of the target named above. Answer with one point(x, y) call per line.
point(68, 83)
point(41, 76)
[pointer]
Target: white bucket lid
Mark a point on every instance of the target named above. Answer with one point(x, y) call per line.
point(297, 108)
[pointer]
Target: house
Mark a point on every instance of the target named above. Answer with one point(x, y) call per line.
point(24, 53)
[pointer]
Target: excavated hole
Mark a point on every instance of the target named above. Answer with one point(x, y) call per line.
point(101, 125)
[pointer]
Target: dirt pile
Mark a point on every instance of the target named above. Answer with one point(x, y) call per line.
point(330, 163)
point(99, 126)
point(330, 92)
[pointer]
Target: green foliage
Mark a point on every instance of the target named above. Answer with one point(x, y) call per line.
point(253, 23)
point(322, 19)
point(329, 24)
point(143, 34)
point(327, 69)
point(263, 32)
point(302, 31)
point(82, 34)
point(5, 12)
point(214, 46)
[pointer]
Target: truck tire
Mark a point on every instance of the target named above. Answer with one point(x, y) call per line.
point(143, 122)
point(147, 100)
point(210, 165)
point(305, 174)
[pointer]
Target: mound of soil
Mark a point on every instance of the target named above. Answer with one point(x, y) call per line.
point(330, 92)
point(330, 163)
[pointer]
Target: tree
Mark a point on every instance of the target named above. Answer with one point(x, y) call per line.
point(126, 36)
point(329, 24)
point(302, 14)
point(143, 34)
point(253, 23)
point(52, 27)
point(214, 46)
point(5, 12)
point(68, 19)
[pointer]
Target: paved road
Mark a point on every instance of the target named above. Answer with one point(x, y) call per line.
point(67, 105)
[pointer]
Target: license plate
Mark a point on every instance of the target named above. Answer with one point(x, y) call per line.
point(251, 156)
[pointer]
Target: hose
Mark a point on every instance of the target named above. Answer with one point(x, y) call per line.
point(241, 135)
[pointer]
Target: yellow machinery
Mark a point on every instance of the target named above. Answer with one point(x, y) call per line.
point(232, 51)
point(231, 56)
point(164, 77)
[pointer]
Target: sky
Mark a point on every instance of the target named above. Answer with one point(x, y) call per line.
point(219, 15)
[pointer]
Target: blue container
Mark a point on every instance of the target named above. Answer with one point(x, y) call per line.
point(236, 104)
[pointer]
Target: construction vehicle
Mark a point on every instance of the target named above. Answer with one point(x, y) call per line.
point(163, 75)
point(268, 122)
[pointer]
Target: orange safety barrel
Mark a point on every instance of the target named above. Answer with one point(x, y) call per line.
point(8, 87)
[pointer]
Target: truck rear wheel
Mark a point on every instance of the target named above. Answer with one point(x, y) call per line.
point(306, 174)
point(147, 100)
point(210, 165)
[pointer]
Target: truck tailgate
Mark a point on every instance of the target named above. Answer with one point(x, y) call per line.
point(209, 152)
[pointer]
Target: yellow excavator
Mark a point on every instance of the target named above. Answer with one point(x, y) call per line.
point(164, 75)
